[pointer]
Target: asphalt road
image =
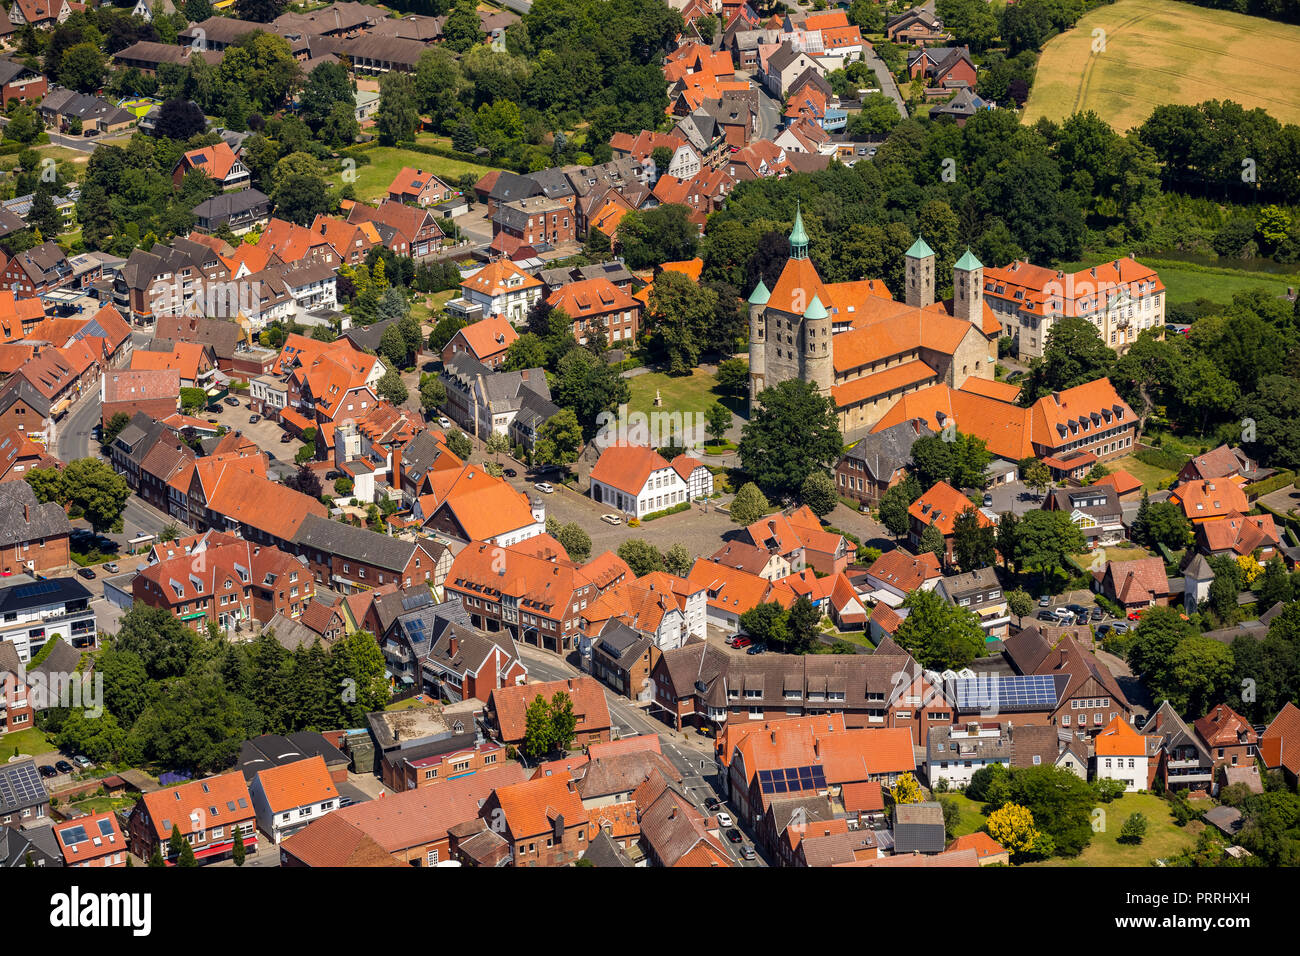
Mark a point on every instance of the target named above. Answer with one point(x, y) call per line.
point(691, 755)
point(73, 435)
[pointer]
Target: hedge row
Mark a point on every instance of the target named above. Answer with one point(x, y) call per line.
point(675, 509)
point(1161, 458)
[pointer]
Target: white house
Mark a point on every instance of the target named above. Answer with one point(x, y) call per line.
point(954, 753)
point(1121, 754)
point(289, 797)
point(35, 612)
point(502, 288)
point(698, 478)
point(637, 481)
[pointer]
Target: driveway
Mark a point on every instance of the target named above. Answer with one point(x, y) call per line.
point(885, 80)
point(266, 433)
point(1016, 497)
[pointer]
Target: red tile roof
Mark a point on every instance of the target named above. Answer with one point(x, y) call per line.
point(940, 506)
point(627, 467)
point(1279, 745)
point(588, 695)
point(297, 784)
point(214, 801)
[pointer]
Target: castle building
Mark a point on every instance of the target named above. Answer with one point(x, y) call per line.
point(859, 346)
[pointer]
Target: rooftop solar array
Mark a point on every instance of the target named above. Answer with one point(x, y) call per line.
point(792, 779)
point(20, 786)
point(75, 834)
point(39, 587)
point(1021, 692)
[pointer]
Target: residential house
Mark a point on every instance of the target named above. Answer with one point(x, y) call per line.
point(410, 828)
point(1229, 737)
point(241, 211)
point(500, 288)
point(800, 537)
point(1205, 500)
point(1091, 699)
point(92, 841)
point(1184, 762)
point(42, 14)
point(487, 341)
point(1135, 585)
point(542, 820)
point(636, 480)
point(878, 461)
point(155, 393)
point(289, 797)
point(405, 230)
point(674, 833)
point(65, 110)
point(17, 707)
point(23, 798)
point(597, 304)
point(507, 706)
point(37, 271)
point(1226, 462)
point(349, 558)
point(1238, 535)
point(19, 82)
point(210, 813)
point(955, 753)
point(419, 188)
point(981, 593)
point(1279, 744)
point(1123, 754)
point(896, 574)
point(938, 508)
point(1094, 509)
point(218, 162)
point(33, 536)
point(916, 26)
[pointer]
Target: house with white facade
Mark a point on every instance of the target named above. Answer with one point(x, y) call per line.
point(1121, 753)
point(637, 481)
point(698, 478)
point(499, 288)
point(289, 797)
point(34, 612)
point(955, 752)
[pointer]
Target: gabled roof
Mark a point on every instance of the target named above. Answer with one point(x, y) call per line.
point(510, 703)
point(1279, 745)
point(297, 784)
point(199, 804)
point(627, 467)
point(940, 507)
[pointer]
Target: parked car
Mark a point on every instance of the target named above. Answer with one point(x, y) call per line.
point(231, 401)
point(63, 767)
point(1046, 616)
point(1080, 612)
point(254, 419)
point(734, 836)
point(47, 771)
point(286, 438)
point(1045, 601)
point(87, 573)
point(724, 819)
point(1097, 613)
point(82, 761)
point(1014, 375)
point(1120, 627)
point(712, 804)
point(746, 852)
point(756, 649)
point(611, 519)
point(1063, 614)
point(1136, 615)
point(545, 487)
point(1139, 721)
point(1103, 630)
point(111, 567)
point(510, 473)
point(988, 501)
point(333, 475)
point(741, 642)
point(444, 421)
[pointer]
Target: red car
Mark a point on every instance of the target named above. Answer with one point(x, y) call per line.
point(741, 642)
point(1135, 615)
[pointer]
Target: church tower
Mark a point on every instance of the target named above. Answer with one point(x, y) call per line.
point(968, 289)
point(920, 275)
point(757, 340)
point(818, 367)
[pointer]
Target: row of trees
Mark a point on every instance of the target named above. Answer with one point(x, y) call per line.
point(186, 700)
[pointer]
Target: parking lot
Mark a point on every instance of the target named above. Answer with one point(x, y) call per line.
point(700, 529)
point(265, 432)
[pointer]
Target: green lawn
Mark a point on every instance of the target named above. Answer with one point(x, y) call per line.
point(1185, 283)
point(1163, 838)
point(680, 393)
point(373, 178)
point(1113, 553)
point(30, 741)
point(1150, 476)
point(101, 804)
point(971, 817)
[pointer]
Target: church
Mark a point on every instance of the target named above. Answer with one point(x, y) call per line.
point(859, 346)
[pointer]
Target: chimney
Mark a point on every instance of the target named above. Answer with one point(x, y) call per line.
point(454, 643)
point(27, 512)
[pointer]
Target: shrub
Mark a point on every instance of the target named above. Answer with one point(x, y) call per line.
point(675, 509)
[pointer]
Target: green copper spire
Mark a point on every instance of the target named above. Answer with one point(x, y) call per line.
point(919, 250)
point(816, 310)
point(760, 295)
point(798, 237)
point(968, 262)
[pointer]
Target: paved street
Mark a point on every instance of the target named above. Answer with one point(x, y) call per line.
point(73, 434)
point(690, 752)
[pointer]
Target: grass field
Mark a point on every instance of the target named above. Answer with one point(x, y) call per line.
point(971, 817)
point(1163, 838)
point(1184, 283)
point(1162, 51)
point(680, 393)
point(1150, 476)
point(31, 742)
point(386, 162)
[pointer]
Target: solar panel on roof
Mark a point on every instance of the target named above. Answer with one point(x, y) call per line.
point(39, 587)
point(106, 827)
point(75, 834)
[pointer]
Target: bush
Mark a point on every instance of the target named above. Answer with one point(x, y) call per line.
point(675, 509)
point(1161, 458)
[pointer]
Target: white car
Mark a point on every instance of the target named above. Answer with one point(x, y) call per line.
point(545, 487)
point(444, 421)
point(724, 819)
point(611, 519)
